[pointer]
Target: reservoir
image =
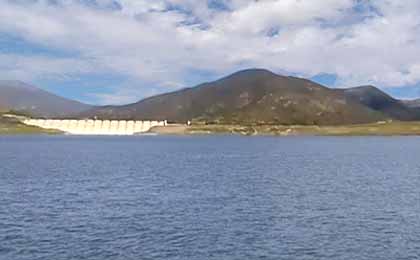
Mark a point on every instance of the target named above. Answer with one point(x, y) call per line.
point(209, 197)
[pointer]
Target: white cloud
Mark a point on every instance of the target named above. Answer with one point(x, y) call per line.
point(32, 67)
point(262, 15)
point(160, 41)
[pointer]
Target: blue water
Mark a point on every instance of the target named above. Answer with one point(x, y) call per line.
point(218, 198)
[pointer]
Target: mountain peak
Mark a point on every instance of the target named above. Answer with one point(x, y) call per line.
point(16, 84)
point(380, 101)
point(20, 96)
point(363, 88)
point(252, 96)
point(251, 74)
point(368, 92)
point(255, 71)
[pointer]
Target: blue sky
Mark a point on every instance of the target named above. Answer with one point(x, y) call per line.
point(119, 51)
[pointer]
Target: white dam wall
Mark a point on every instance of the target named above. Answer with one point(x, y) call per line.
point(96, 127)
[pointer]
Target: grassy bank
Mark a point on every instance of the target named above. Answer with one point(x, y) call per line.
point(12, 126)
point(378, 129)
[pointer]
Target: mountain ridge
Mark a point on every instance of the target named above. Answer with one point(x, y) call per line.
point(378, 100)
point(252, 96)
point(413, 103)
point(20, 96)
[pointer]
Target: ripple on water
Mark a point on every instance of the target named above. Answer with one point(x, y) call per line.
point(209, 198)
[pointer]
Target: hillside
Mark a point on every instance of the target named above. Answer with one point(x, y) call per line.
point(415, 103)
point(248, 97)
point(12, 126)
point(19, 96)
point(377, 100)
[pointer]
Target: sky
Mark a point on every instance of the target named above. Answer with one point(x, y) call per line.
point(120, 51)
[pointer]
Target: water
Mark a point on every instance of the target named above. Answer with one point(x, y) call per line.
point(209, 198)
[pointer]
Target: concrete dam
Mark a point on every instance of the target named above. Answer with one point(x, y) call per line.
point(95, 127)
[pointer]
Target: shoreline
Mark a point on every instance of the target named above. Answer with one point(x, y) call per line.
point(374, 129)
point(11, 126)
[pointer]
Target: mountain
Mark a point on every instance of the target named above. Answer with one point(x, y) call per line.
point(415, 103)
point(377, 100)
point(19, 96)
point(252, 97)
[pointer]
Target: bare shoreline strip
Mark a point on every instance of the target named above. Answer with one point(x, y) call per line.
point(376, 129)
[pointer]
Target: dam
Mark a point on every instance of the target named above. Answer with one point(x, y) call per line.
point(95, 127)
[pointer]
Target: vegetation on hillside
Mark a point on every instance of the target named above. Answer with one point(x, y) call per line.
point(248, 97)
point(374, 129)
point(12, 126)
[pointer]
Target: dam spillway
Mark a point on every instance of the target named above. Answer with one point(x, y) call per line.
point(95, 127)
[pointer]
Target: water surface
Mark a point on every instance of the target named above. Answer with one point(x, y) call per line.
point(220, 198)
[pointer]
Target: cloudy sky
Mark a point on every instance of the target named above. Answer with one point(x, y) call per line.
point(118, 51)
